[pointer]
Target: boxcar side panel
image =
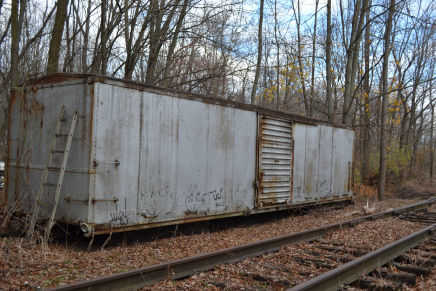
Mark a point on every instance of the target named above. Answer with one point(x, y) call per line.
point(243, 160)
point(197, 159)
point(342, 157)
point(348, 156)
point(14, 141)
point(160, 179)
point(311, 163)
point(325, 161)
point(179, 159)
point(322, 165)
point(34, 114)
point(117, 129)
point(299, 162)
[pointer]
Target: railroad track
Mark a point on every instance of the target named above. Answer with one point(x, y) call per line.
point(336, 262)
point(183, 268)
point(388, 268)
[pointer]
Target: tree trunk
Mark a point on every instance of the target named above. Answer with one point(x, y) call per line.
point(172, 47)
point(403, 132)
point(360, 9)
point(328, 53)
point(297, 15)
point(431, 139)
point(69, 54)
point(287, 82)
point(100, 48)
point(17, 14)
point(56, 38)
point(86, 39)
point(417, 138)
point(312, 84)
point(431, 127)
point(133, 50)
point(366, 104)
point(259, 54)
point(277, 101)
point(387, 50)
point(158, 34)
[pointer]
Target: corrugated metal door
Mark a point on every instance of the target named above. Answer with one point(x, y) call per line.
point(275, 161)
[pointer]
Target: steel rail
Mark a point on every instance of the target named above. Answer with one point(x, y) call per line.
point(351, 271)
point(181, 268)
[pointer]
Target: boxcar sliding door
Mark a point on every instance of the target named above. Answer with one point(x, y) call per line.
point(275, 161)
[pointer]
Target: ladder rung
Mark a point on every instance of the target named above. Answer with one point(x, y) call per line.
point(53, 168)
point(61, 134)
point(50, 184)
point(61, 176)
point(58, 151)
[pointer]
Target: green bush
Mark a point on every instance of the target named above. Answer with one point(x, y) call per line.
point(397, 160)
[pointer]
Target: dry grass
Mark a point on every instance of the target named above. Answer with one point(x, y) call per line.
point(365, 192)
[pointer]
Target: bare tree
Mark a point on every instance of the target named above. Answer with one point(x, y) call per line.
point(328, 66)
point(432, 107)
point(312, 84)
point(17, 17)
point(297, 15)
point(384, 87)
point(259, 53)
point(352, 52)
point(110, 17)
point(431, 138)
point(276, 38)
point(366, 102)
point(174, 39)
point(134, 47)
point(55, 41)
point(159, 28)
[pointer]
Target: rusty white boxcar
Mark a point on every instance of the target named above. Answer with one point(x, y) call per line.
point(143, 157)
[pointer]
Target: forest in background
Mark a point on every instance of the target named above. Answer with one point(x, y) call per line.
point(369, 64)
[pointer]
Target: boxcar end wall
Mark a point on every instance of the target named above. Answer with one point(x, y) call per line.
point(143, 157)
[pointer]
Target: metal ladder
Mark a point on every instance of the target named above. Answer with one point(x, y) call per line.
point(50, 167)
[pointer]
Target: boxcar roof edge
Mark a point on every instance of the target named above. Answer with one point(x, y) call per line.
point(53, 79)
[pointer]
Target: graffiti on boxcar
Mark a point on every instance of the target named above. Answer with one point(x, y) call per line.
point(198, 201)
point(120, 217)
point(162, 204)
point(324, 186)
point(157, 203)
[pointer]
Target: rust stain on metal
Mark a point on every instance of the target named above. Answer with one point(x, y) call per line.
point(106, 228)
point(21, 94)
point(191, 213)
point(12, 101)
point(37, 108)
point(91, 116)
point(69, 199)
point(54, 78)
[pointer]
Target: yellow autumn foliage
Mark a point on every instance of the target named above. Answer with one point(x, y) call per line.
point(289, 80)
